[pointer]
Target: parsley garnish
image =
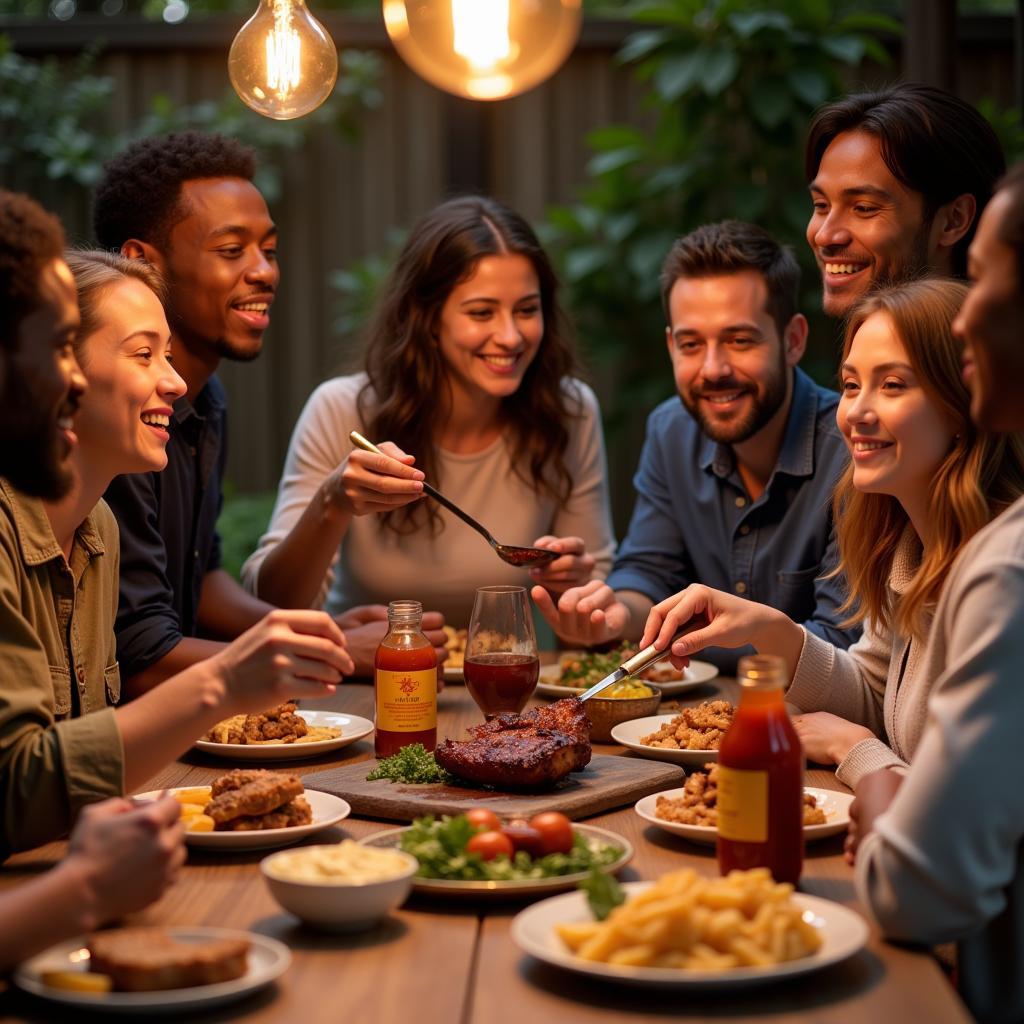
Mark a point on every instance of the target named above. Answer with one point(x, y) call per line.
point(412, 764)
point(604, 893)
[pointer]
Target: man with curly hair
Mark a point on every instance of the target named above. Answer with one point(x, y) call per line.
point(186, 203)
point(40, 381)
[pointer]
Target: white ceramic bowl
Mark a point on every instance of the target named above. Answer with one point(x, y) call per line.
point(339, 905)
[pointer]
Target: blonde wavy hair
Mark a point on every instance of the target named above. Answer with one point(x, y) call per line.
point(981, 475)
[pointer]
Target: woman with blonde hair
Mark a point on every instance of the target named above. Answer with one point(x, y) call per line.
point(921, 482)
point(65, 741)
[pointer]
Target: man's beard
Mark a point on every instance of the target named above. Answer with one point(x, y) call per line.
point(910, 267)
point(763, 408)
point(32, 456)
point(228, 350)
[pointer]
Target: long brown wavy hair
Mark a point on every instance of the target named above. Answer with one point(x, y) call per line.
point(981, 475)
point(404, 364)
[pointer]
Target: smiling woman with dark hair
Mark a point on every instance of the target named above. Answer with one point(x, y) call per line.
point(469, 371)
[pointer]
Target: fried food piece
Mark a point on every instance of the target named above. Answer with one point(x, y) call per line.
point(278, 725)
point(148, 959)
point(251, 793)
point(699, 728)
point(699, 803)
point(295, 812)
point(455, 644)
point(517, 751)
point(813, 814)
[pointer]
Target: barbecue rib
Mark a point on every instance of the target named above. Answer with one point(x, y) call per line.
point(521, 751)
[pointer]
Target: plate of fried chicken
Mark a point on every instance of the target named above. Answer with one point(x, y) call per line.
point(253, 809)
point(284, 733)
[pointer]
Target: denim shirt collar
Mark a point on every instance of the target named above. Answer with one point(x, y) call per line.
point(797, 455)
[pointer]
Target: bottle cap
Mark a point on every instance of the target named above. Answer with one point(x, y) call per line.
point(762, 672)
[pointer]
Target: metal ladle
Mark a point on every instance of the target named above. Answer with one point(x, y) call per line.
point(523, 557)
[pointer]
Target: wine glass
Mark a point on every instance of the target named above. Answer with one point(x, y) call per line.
point(501, 664)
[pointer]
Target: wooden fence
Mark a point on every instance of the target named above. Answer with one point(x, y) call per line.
point(340, 200)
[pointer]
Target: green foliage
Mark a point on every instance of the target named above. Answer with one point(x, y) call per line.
point(53, 120)
point(243, 520)
point(359, 285)
point(731, 88)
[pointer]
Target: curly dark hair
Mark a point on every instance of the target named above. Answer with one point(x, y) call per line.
point(140, 191)
point(30, 238)
point(404, 363)
point(730, 247)
point(933, 142)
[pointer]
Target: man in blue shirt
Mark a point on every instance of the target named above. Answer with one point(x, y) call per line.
point(736, 475)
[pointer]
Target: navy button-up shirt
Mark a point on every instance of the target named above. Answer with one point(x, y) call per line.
point(695, 523)
point(169, 540)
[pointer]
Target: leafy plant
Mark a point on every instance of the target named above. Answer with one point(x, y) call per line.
point(53, 122)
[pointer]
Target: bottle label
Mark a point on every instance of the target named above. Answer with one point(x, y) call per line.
point(742, 805)
point(407, 701)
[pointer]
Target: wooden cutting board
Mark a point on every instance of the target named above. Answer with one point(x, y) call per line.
point(606, 782)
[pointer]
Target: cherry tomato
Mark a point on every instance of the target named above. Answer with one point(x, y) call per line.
point(555, 830)
point(524, 837)
point(480, 817)
point(490, 845)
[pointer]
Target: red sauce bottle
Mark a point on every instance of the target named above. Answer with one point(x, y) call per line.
point(405, 683)
point(761, 777)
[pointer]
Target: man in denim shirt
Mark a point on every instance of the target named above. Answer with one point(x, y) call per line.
point(735, 479)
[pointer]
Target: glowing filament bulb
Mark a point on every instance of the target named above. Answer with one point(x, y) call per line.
point(284, 54)
point(283, 63)
point(480, 29)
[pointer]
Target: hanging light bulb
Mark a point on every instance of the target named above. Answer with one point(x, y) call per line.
point(483, 49)
point(283, 63)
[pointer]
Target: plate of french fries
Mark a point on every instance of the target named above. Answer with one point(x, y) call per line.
point(688, 931)
point(201, 831)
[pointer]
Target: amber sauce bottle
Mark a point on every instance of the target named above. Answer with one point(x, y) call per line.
point(760, 778)
point(405, 683)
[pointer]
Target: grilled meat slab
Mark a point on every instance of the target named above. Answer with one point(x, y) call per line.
point(522, 751)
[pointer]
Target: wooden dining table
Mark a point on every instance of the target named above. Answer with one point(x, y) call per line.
point(453, 961)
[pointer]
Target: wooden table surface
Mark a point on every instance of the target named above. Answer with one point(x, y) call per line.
point(454, 962)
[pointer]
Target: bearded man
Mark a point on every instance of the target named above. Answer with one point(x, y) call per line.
point(736, 475)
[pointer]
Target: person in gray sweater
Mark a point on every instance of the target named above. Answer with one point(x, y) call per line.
point(939, 851)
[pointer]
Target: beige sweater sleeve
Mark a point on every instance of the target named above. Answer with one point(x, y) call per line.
point(850, 684)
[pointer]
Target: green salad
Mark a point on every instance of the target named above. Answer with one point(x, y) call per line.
point(593, 666)
point(440, 847)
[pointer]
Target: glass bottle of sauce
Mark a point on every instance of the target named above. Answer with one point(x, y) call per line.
point(760, 778)
point(405, 683)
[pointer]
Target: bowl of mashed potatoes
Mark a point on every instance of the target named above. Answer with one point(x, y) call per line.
point(343, 887)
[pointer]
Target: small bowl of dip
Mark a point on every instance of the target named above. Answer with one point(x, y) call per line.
point(343, 887)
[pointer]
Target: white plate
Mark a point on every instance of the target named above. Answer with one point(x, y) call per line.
point(629, 733)
point(533, 931)
point(517, 887)
point(835, 805)
point(327, 810)
point(268, 960)
point(352, 728)
point(695, 674)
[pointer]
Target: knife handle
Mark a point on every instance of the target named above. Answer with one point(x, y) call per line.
point(650, 655)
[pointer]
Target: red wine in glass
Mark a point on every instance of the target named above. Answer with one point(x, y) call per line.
point(501, 664)
point(501, 682)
